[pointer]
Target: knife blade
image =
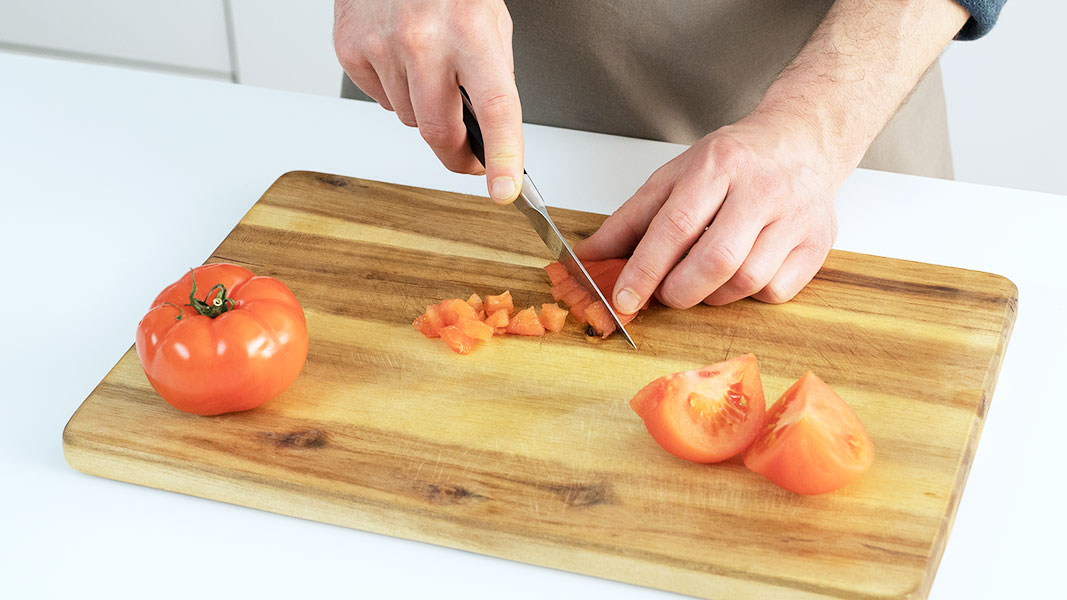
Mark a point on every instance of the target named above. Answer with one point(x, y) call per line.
point(531, 204)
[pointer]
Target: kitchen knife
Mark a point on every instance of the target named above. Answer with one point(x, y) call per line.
point(533, 206)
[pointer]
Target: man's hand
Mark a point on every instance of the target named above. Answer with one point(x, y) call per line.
point(412, 56)
point(764, 194)
point(763, 188)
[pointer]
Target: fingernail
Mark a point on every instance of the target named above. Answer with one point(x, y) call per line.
point(626, 301)
point(503, 189)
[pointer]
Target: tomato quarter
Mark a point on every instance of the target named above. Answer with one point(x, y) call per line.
point(812, 442)
point(706, 415)
point(242, 343)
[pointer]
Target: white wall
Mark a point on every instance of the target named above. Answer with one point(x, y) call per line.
point(1006, 93)
point(1007, 100)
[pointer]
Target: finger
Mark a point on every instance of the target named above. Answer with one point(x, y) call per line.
point(768, 253)
point(798, 269)
point(691, 205)
point(366, 79)
point(496, 105)
point(620, 233)
point(438, 110)
point(395, 82)
point(715, 258)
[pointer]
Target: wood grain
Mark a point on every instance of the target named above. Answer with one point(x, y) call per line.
point(527, 449)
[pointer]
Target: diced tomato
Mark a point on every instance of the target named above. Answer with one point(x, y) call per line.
point(430, 322)
point(578, 310)
point(597, 315)
point(556, 272)
point(498, 302)
point(812, 442)
point(475, 329)
point(457, 340)
point(525, 322)
point(476, 302)
point(553, 317)
point(706, 415)
point(501, 330)
point(498, 319)
point(454, 309)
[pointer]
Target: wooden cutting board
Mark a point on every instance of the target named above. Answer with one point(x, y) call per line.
point(527, 448)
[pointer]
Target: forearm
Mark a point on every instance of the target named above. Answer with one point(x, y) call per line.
point(857, 69)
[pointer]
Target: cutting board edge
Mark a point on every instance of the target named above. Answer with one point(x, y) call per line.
point(989, 385)
point(101, 460)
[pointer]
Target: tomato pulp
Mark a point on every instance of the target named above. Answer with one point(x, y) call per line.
point(706, 415)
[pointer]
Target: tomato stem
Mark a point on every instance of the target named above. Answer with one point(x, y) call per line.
point(210, 307)
point(181, 313)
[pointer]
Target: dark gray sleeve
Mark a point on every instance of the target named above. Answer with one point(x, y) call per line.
point(984, 15)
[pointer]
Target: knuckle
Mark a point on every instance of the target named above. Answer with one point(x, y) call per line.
point(375, 48)
point(645, 274)
point(726, 153)
point(436, 132)
point(498, 108)
point(417, 36)
point(774, 293)
point(681, 225)
point(748, 280)
point(674, 297)
point(721, 259)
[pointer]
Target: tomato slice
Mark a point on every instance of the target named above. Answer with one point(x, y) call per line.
point(600, 319)
point(706, 415)
point(812, 442)
point(525, 322)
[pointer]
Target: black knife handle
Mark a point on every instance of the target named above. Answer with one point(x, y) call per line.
point(474, 132)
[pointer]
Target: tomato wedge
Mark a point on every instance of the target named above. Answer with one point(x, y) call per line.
point(706, 415)
point(812, 442)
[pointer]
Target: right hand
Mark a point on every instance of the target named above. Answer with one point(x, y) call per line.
point(412, 56)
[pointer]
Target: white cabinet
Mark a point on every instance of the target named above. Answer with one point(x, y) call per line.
point(188, 35)
point(286, 44)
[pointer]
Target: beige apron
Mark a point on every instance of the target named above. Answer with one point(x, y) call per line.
point(675, 70)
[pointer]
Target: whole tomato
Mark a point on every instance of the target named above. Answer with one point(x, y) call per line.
point(240, 344)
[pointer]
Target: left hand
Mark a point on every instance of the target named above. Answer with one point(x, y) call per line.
point(748, 210)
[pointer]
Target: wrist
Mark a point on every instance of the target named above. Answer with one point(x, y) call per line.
point(819, 121)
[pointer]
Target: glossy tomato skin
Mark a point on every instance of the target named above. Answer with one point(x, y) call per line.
point(813, 442)
point(707, 415)
point(235, 361)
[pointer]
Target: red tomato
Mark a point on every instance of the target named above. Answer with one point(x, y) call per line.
point(812, 442)
point(239, 344)
point(706, 415)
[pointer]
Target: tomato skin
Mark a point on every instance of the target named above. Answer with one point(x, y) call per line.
point(813, 442)
point(706, 415)
point(235, 361)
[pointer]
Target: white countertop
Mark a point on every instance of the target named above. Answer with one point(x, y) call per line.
point(113, 181)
